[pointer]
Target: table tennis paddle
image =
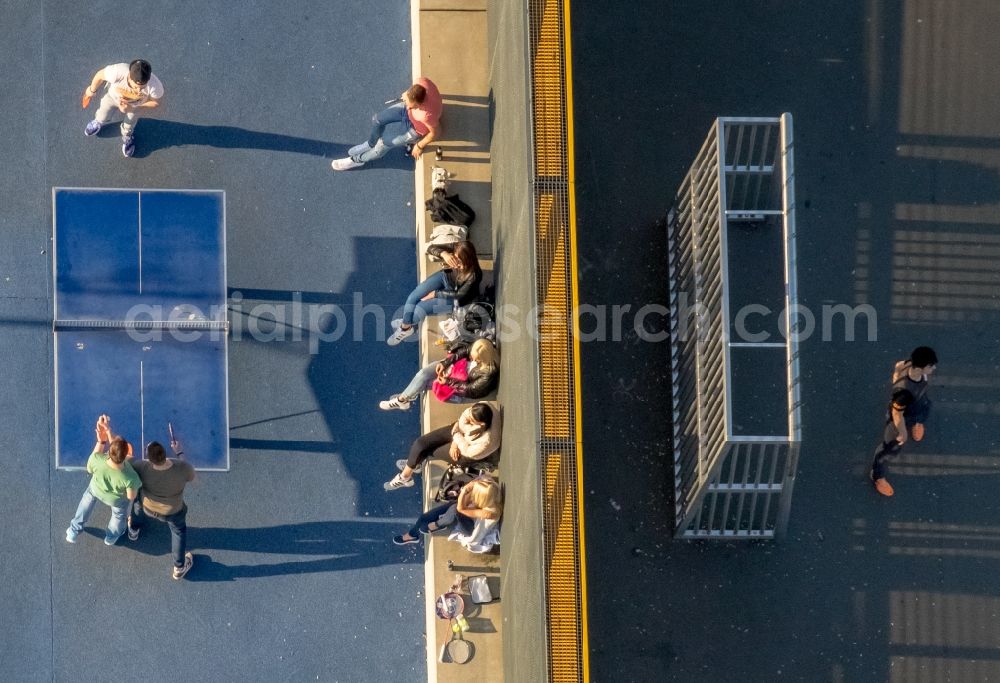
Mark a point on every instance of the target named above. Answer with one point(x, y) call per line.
point(459, 649)
point(173, 441)
point(85, 101)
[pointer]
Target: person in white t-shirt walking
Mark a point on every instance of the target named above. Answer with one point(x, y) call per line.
point(131, 89)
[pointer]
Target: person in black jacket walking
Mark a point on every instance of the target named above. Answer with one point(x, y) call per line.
point(482, 374)
point(457, 283)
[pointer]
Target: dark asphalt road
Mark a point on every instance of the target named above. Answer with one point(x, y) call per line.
point(897, 147)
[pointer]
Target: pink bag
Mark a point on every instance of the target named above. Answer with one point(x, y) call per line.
point(459, 370)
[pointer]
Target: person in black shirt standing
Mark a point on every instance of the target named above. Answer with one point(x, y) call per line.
point(162, 498)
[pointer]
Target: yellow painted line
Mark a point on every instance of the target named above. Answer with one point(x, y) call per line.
point(571, 195)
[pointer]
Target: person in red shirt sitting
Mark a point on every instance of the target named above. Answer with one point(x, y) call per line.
point(412, 121)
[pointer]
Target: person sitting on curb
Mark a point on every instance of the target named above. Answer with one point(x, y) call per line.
point(163, 482)
point(482, 373)
point(480, 499)
point(914, 376)
point(892, 440)
point(112, 481)
point(474, 436)
point(456, 284)
point(415, 118)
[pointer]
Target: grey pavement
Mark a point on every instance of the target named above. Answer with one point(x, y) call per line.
point(295, 575)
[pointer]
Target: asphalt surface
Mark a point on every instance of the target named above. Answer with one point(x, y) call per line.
point(295, 575)
point(896, 143)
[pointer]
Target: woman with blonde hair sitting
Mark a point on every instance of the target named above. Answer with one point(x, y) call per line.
point(468, 372)
point(476, 514)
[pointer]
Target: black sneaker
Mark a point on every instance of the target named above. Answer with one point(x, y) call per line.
point(133, 534)
point(399, 540)
point(128, 146)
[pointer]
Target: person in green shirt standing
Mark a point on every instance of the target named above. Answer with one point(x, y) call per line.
point(112, 481)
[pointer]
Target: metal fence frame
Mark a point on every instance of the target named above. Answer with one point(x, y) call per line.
point(728, 485)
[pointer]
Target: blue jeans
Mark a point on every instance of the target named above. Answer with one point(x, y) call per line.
point(177, 523)
point(421, 382)
point(391, 128)
point(466, 524)
point(415, 310)
point(116, 525)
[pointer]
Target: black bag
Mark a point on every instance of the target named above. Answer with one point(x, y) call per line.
point(477, 320)
point(450, 209)
point(452, 481)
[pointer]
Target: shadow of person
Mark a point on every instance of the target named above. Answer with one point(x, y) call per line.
point(342, 544)
point(156, 134)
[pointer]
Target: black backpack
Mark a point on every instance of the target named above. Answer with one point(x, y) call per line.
point(477, 320)
point(452, 481)
point(450, 209)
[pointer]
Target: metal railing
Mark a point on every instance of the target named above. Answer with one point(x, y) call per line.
point(728, 483)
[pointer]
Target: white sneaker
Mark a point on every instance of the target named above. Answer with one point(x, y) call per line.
point(359, 149)
point(394, 403)
point(397, 323)
point(397, 482)
point(400, 464)
point(345, 164)
point(179, 572)
point(401, 334)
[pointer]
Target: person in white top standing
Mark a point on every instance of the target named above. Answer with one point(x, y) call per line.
point(131, 89)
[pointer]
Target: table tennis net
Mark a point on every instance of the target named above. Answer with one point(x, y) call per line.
point(188, 325)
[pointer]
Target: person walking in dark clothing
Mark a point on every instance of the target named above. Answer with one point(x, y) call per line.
point(914, 376)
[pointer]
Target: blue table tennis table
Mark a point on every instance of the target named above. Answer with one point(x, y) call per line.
point(139, 323)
